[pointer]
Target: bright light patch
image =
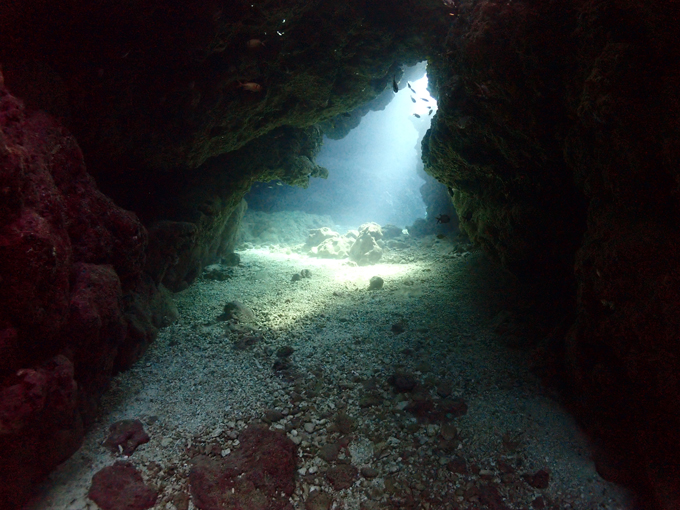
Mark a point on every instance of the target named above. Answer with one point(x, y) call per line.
point(342, 272)
point(423, 99)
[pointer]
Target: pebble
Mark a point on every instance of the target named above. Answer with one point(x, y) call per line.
point(376, 283)
point(309, 427)
point(369, 473)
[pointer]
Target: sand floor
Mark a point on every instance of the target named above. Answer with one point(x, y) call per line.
point(193, 387)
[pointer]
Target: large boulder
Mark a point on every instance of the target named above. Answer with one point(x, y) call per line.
point(365, 249)
point(334, 248)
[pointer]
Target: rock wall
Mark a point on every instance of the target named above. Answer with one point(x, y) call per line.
point(74, 299)
point(558, 130)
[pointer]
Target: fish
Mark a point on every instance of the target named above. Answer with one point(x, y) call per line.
point(409, 86)
point(443, 218)
point(430, 112)
point(413, 99)
point(440, 236)
point(251, 86)
point(395, 87)
point(416, 115)
point(424, 99)
point(346, 114)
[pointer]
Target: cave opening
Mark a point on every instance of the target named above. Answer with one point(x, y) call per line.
point(373, 158)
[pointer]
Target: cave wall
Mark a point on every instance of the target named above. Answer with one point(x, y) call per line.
point(558, 131)
point(75, 304)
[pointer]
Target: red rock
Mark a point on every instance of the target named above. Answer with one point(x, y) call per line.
point(491, 498)
point(342, 477)
point(539, 480)
point(125, 436)
point(318, 501)
point(64, 250)
point(120, 487)
point(260, 475)
point(457, 465)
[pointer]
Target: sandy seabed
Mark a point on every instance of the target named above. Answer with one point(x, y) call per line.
point(193, 388)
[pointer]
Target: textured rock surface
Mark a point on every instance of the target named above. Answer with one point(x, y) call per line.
point(68, 258)
point(551, 114)
point(259, 476)
point(121, 487)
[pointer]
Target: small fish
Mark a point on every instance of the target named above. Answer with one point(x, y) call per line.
point(251, 86)
point(429, 107)
point(443, 218)
point(416, 115)
point(395, 87)
point(409, 86)
point(254, 44)
point(413, 99)
point(426, 100)
point(430, 112)
point(440, 236)
point(346, 114)
point(279, 183)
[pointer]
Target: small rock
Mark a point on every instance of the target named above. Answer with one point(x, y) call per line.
point(329, 452)
point(234, 310)
point(538, 503)
point(272, 415)
point(285, 351)
point(120, 487)
point(125, 436)
point(402, 382)
point(457, 465)
point(398, 327)
point(342, 476)
point(449, 431)
point(344, 423)
point(318, 500)
point(309, 427)
point(376, 283)
point(369, 473)
point(539, 480)
point(444, 389)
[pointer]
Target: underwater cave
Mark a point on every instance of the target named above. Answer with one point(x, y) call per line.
point(362, 255)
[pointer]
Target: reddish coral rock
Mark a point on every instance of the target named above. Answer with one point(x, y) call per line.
point(343, 476)
point(539, 480)
point(120, 487)
point(64, 250)
point(258, 476)
point(125, 436)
